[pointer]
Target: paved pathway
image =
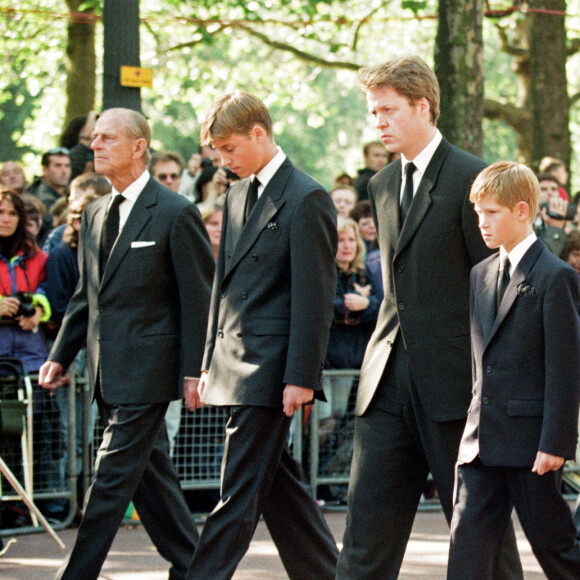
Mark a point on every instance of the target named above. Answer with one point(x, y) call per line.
point(132, 557)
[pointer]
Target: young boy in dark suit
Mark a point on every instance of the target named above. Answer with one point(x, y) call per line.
point(522, 422)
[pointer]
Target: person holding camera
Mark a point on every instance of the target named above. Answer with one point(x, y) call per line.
point(553, 215)
point(23, 305)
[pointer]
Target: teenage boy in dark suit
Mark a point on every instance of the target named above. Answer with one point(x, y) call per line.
point(270, 315)
point(522, 423)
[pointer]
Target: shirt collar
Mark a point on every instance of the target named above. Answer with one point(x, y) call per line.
point(518, 252)
point(134, 190)
point(269, 170)
point(423, 159)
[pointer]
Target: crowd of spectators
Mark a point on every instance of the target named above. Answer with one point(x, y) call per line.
point(40, 225)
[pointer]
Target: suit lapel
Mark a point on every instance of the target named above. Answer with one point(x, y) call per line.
point(387, 206)
point(92, 240)
point(139, 216)
point(520, 274)
point(422, 198)
point(237, 207)
point(268, 204)
point(486, 297)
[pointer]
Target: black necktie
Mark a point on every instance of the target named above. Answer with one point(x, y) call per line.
point(503, 280)
point(252, 197)
point(110, 230)
point(408, 191)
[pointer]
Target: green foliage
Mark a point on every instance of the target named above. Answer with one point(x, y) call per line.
point(31, 81)
point(17, 105)
point(415, 5)
point(199, 49)
point(499, 142)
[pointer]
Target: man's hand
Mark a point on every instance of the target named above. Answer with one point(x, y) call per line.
point(9, 306)
point(30, 322)
point(50, 375)
point(192, 391)
point(294, 397)
point(356, 302)
point(194, 164)
point(546, 462)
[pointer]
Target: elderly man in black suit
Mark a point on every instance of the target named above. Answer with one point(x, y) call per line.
point(141, 305)
point(415, 381)
point(271, 310)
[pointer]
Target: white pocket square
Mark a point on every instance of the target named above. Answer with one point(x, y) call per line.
point(141, 244)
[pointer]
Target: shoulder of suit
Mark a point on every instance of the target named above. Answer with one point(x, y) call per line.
point(167, 196)
point(486, 263)
point(465, 158)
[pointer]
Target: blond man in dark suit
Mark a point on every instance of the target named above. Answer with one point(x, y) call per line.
point(272, 305)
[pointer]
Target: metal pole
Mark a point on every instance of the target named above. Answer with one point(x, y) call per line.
point(121, 28)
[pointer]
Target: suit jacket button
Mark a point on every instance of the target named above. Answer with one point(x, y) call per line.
point(254, 257)
point(400, 269)
point(401, 306)
point(220, 333)
point(224, 294)
point(244, 295)
point(489, 369)
point(485, 400)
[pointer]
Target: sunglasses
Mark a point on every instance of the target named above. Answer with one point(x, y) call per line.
point(58, 151)
point(164, 176)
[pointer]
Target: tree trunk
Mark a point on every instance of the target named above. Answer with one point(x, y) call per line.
point(459, 68)
point(81, 62)
point(548, 90)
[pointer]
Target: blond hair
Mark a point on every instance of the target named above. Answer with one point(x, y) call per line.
point(358, 264)
point(235, 112)
point(507, 183)
point(410, 76)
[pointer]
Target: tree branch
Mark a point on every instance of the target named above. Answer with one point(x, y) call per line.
point(574, 47)
point(516, 117)
point(192, 43)
point(361, 23)
point(302, 55)
point(574, 99)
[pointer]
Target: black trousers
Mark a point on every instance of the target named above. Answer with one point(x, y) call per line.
point(485, 498)
point(396, 445)
point(259, 477)
point(133, 463)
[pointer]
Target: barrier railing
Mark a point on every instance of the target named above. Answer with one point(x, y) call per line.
point(322, 437)
point(53, 486)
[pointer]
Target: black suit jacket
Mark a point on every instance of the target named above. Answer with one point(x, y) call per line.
point(144, 322)
point(526, 362)
point(426, 268)
point(273, 294)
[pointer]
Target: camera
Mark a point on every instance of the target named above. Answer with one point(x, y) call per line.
point(230, 175)
point(206, 162)
point(26, 307)
point(570, 213)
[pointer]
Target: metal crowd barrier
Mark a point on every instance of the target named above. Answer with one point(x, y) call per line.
point(330, 431)
point(322, 438)
point(51, 482)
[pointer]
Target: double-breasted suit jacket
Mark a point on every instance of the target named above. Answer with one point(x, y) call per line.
point(269, 323)
point(144, 322)
point(526, 371)
point(427, 262)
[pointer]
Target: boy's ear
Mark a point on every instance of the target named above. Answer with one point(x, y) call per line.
point(523, 210)
point(258, 132)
